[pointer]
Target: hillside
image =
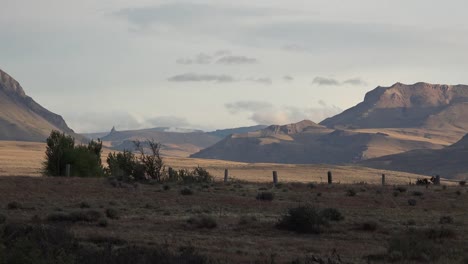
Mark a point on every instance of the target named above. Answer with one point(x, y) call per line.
point(21, 118)
point(450, 162)
point(307, 142)
point(431, 108)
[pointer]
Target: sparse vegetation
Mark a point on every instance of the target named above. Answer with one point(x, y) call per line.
point(76, 216)
point(202, 221)
point(412, 202)
point(303, 219)
point(14, 205)
point(351, 192)
point(112, 213)
point(265, 196)
point(331, 214)
point(186, 191)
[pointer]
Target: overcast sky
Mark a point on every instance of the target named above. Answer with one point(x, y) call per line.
point(219, 64)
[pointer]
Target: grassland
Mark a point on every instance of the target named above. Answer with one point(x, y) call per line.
point(25, 159)
point(244, 232)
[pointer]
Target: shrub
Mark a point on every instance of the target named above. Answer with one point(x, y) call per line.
point(2, 218)
point(203, 221)
point(166, 187)
point(265, 196)
point(152, 163)
point(197, 175)
point(418, 193)
point(412, 245)
point(112, 213)
point(14, 205)
point(368, 226)
point(303, 219)
point(311, 185)
point(186, 191)
point(85, 205)
point(103, 222)
point(124, 166)
point(78, 216)
point(412, 202)
point(351, 192)
point(462, 183)
point(446, 219)
point(400, 189)
point(85, 160)
point(396, 194)
point(331, 214)
point(245, 220)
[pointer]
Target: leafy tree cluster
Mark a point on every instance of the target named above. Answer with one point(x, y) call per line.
point(84, 160)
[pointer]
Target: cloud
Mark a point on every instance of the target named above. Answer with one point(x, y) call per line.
point(325, 81)
point(266, 81)
point(288, 78)
point(168, 121)
point(355, 82)
point(266, 113)
point(201, 58)
point(249, 106)
point(222, 53)
point(230, 60)
point(193, 77)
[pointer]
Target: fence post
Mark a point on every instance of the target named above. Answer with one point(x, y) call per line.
point(330, 178)
point(67, 170)
point(437, 180)
point(226, 175)
point(383, 179)
point(275, 178)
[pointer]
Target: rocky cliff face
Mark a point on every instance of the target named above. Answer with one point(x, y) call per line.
point(22, 118)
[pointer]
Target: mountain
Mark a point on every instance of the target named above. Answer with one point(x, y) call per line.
point(432, 108)
point(449, 162)
point(222, 133)
point(21, 118)
point(307, 142)
point(390, 120)
point(175, 141)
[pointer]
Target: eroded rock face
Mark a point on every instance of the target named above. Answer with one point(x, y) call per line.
point(404, 106)
point(22, 118)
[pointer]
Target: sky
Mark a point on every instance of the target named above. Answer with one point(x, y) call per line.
point(221, 64)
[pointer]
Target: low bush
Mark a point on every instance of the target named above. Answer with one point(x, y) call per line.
point(412, 202)
point(400, 189)
point(186, 191)
point(77, 216)
point(462, 183)
point(112, 213)
point(331, 214)
point(103, 222)
point(84, 205)
point(446, 219)
point(265, 196)
point(14, 206)
point(370, 226)
point(203, 221)
point(245, 220)
point(418, 193)
point(303, 219)
point(351, 192)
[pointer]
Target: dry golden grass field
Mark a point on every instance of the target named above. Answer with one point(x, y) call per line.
point(25, 159)
point(228, 224)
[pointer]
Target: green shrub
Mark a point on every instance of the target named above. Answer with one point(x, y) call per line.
point(124, 166)
point(112, 213)
point(303, 219)
point(203, 221)
point(84, 160)
point(265, 196)
point(331, 214)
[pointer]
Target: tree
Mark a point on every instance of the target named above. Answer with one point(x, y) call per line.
point(85, 160)
point(152, 162)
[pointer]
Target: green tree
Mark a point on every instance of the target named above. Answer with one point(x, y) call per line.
point(85, 160)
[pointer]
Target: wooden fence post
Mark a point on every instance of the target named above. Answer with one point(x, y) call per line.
point(437, 180)
point(67, 170)
point(383, 179)
point(275, 178)
point(226, 175)
point(330, 177)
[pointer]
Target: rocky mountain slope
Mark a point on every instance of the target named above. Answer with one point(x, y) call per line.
point(21, 118)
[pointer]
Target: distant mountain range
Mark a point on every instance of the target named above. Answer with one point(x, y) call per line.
point(175, 141)
point(390, 120)
point(21, 118)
